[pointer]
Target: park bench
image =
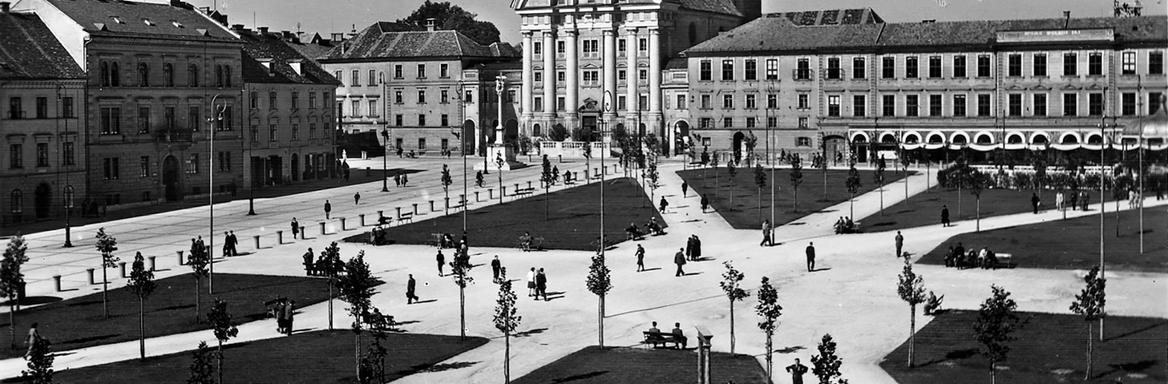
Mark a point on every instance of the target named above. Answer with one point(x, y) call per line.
point(524, 191)
point(536, 244)
point(407, 216)
point(656, 339)
point(1005, 260)
point(461, 204)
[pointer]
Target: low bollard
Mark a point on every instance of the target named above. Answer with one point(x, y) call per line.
point(342, 223)
point(516, 188)
point(322, 228)
point(503, 191)
point(561, 158)
point(257, 241)
point(529, 184)
point(303, 235)
point(92, 280)
point(398, 213)
point(431, 205)
point(415, 208)
point(279, 237)
point(122, 265)
point(491, 193)
point(362, 216)
point(462, 200)
point(476, 196)
point(180, 259)
point(153, 263)
point(57, 281)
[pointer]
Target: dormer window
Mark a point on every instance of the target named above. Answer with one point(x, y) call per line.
point(117, 19)
point(148, 22)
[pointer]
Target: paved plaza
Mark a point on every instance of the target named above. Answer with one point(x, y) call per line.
point(851, 295)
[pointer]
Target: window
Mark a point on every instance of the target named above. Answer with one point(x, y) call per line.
point(1070, 64)
point(311, 130)
point(727, 101)
point(337, 75)
point(443, 96)
point(621, 103)
point(911, 66)
point(802, 141)
point(143, 120)
point(399, 120)
point(591, 48)
point(372, 77)
point(803, 122)
point(727, 70)
point(355, 79)
point(705, 122)
point(468, 97)
point(1095, 104)
point(110, 168)
point(168, 74)
point(193, 118)
point(934, 67)
point(421, 143)
point(68, 155)
point(1095, 64)
point(1155, 64)
point(983, 65)
point(620, 75)
point(1014, 65)
point(42, 154)
point(226, 80)
point(15, 156)
point(681, 102)
point(959, 105)
point(888, 67)
point(355, 108)
point(111, 121)
point(1039, 65)
point(705, 101)
point(859, 68)
point(621, 46)
point(1128, 60)
point(421, 96)
point(16, 202)
point(15, 108)
point(859, 105)
point(772, 122)
point(1070, 104)
point(421, 120)
point(1039, 101)
point(1154, 107)
point(192, 163)
point(421, 71)
point(252, 102)
point(273, 132)
point(373, 108)
point(911, 105)
point(751, 103)
point(295, 100)
point(311, 100)
point(537, 48)
point(983, 105)
point(804, 101)
point(772, 69)
point(397, 71)
point(537, 104)
point(643, 45)
point(1128, 104)
point(750, 122)
point(959, 66)
point(67, 107)
point(704, 71)
point(803, 69)
point(144, 166)
point(397, 97)
point(272, 104)
point(641, 74)
point(935, 105)
point(727, 122)
point(751, 72)
point(445, 120)
point(772, 101)
point(889, 106)
point(143, 75)
point(42, 107)
point(833, 106)
point(559, 47)
point(833, 68)
point(1015, 104)
point(224, 162)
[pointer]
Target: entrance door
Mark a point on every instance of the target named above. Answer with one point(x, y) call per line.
point(834, 146)
point(43, 200)
point(170, 178)
point(738, 138)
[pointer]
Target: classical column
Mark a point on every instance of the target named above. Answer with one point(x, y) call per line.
point(631, 98)
point(654, 79)
point(572, 88)
point(528, 75)
point(549, 75)
point(609, 74)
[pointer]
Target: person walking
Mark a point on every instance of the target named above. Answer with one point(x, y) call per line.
point(226, 243)
point(696, 253)
point(34, 336)
point(234, 244)
point(495, 265)
point(689, 247)
point(357, 198)
point(411, 286)
point(541, 285)
point(405, 179)
point(328, 207)
point(811, 257)
point(705, 203)
point(441, 259)
point(295, 228)
point(944, 215)
point(397, 180)
point(766, 234)
point(1034, 201)
point(531, 283)
point(663, 204)
point(684, 188)
point(308, 262)
point(899, 243)
point(289, 315)
point(797, 371)
point(278, 311)
point(640, 258)
point(679, 259)
point(479, 179)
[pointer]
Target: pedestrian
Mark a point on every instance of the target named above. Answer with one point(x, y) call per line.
point(531, 282)
point(308, 262)
point(797, 371)
point(226, 243)
point(357, 198)
point(705, 203)
point(697, 248)
point(640, 258)
point(397, 180)
point(234, 244)
point(944, 215)
point(766, 234)
point(34, 336)
point(278, 312)
point(899, 243)
point(663, 204)
point(811, 257)
point(689, 244)
point(479, 179)
point(289, 315)
point(1034, 201)
point(328, 207)
point(684, 188)
point(1085, 199)
point(541, 285)
point(411, 285)
point(405, 179)
point(295, 228)
point(679, 259)
point(203, 246)
point(495, 265)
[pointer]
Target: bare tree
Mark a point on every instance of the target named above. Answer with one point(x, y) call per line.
point(106, 244)
point(141, 284)
point(1089, 304)
point(732, 285)
point(911, 289)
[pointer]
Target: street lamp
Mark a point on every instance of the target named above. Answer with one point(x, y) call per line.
point(217, 115)
point(384, 158)
point(603, 131)
point(68, 203)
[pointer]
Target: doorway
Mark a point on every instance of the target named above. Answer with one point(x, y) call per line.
point(42, 200)
point(170, 178)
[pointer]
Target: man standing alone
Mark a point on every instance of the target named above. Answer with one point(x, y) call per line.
point(328, 207)
point(679, 259)
point(944, 215)
point(767, 241)
point(797, 370)
point(411, 285)
point(899, 243)
point(811, 257)
point(495, 265)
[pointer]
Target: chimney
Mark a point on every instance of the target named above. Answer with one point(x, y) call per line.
point(236, 27)
point(263, 30)
point(5, 6)
point(1067, 15)
point(430, 24)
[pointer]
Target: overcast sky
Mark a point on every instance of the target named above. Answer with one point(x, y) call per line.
point(327, 16)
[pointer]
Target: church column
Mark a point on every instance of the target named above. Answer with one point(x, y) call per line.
point(528, 81)
point(631, 76)
point(654, 123)
point(549, 76)
point(609, 76)
point(572, 88)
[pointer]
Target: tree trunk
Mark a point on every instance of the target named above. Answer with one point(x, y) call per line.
point(600, 320)
point(906, 183)
point(546, 204)
point(1117, 217)
point(104, 285)
point(1089, 346)
point(462, 312)
point(357, 352)
point(881, 186)
point(219, 362)
point(141, 329)
point(825, 182)
point(330, 302)
point(978, 214)
point(197, 286)
point(507, 357)
point(912, 332)
point(759, 204)
point(993, 372)
point(731, 326)
point(852, 206)
point(769, 361)
point(795, 201)
point(12, 322)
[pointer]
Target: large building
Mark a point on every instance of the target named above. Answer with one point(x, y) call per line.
point(43, 164)
point(601, 60)
point(837, 80)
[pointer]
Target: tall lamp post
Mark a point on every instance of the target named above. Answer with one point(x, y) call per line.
point(68, 203)
point(384, 158)
point(217, 115)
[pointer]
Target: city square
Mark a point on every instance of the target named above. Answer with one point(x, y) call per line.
point(707, 191)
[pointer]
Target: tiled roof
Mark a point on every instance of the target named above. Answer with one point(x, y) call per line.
point(28, 50)
point(119, 17)
point(271, 47)
point(715, 6)
point(383, 40)
point(806, 31)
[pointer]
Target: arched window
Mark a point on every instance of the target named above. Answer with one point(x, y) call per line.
point(535, 130)
point(105, 74)
point(168, 74)
point(115, 80)
point(16, 202)
point(219, 76)
point(143, 75)
point(193, 75)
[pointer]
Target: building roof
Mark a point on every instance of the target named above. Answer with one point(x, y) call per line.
point(29, 50)
point(384, 40)
point(281, 56)
point(128, 18)
point(863, 29)
point(725, 7)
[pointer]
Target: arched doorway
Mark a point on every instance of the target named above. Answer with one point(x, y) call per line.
point(737, 146)
point(170, 179)
point(468, 134)
point(296, 167)
point(680, 137)
point(835, 146)
point(536, 131)
point(860, 148)
point(42, 200)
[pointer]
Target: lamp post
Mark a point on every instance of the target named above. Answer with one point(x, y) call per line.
point(603, 131)
point(384, 158)
point(217, 115)
point(68, 203)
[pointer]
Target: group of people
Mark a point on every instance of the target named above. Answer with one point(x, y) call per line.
point(229, 244)
point(378, 235)
point(676, 332)
point(693, 248)
point(283, 310)
point(961, 258)
point(1075, 200)
point(527, 242)
point(634, 232)
point(845, 225)
point(401, 179)
point(537, 284)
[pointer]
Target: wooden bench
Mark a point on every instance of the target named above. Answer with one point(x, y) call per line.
point(407, 216)
point(523, 191)
point(656, 339)
point(1005, 260)
point(461, 204)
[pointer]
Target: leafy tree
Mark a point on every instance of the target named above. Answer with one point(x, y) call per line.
point(446, 181)
point(40, 363)
point(826, 365)
point(460, 272)
point(599, 283)
point(506, 320)
point(223, 328)
point(996, 322)
point(760, 181)
point(141, 284)
point(1089, 304)
point(911, 289)
point(11, 279)
point(198, 262)
point(976, 181)
point(878, 178)
point(379, 326)
point(329, 263)
point(202, 368)
point(356, 287)
point(1125, 9)
point(733, 179)
point(796, 180)
point(654, 179)
point(106, 244)
point(732, 285)
point(453, 17)
point(582, 134)
point(557, 132)
point(751, 141)
point(768, 310)
point(546, 178)
point(853, 184)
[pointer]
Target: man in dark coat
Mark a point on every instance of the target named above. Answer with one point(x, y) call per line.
point(541, 285)
point(810, 257)
point(696, 252)
point(797, 371)
point(944, 215)
point(679, 259)
point(411, 285)
point(441, 262)
point(289, 315)
point(689, 244)
point(295, 228)
point(705, 203)
point(1034, 202)
point(328, 207)
point(495, 265)
point(308, 262)
point(684, 188)
point(899, 243)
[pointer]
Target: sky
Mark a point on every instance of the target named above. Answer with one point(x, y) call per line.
point(326, 16)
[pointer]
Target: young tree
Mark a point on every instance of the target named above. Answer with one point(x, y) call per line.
point(733, 171)
point(506, 320)
point(911, 289)
point(223, 328)
point(1089, 304)
point(599, 283)
point(40, 363)
point(732, 285)
point(106, 244)
point(546, 178)
point(878, 178)
point(760, 181)
point(141, 284)
point(853, 184)
point(996, 321)
point(796, 180)
point(714, 165)
point(11, 280)
point(329, 263)
point(751, 141)
point(654, 178)
point(202, 367)
point(460, 272)
point(379, 326)
point(976, 181)
point(355, 287)
point(768, 310)
point(198, 262)
point(826, 365)
point(446, 181)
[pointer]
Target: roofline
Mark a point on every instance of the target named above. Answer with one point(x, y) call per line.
point(410, 58)
point(878, 49)
point(132, 35)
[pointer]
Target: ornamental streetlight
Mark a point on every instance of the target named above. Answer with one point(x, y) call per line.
point(217, 115)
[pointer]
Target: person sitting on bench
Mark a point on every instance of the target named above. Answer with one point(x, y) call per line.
point(653, 329)
point(633, 231)
point(383, 220)
point(678, 334)
point(653, 227)
point(525, 241)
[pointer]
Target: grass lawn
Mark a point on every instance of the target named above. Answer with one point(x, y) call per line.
point(744, 213)
point(1049, 349)
point(78, 323)
point(573, 221)
point(1074, 243)
point(310, 357)
point(925, 208)
point(636, 365)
